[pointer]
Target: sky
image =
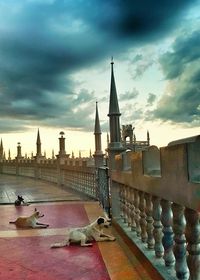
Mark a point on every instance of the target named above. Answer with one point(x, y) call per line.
point(55, 64)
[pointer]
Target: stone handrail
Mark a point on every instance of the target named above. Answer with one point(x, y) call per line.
point(156, 198)
point(74, 174)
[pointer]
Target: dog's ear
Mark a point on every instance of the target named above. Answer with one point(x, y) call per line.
point(100, 221)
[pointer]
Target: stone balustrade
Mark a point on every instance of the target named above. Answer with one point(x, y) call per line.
point(156, 201)
point(77, 174)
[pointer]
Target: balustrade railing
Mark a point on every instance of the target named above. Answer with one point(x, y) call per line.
point(169, 229)
point(78, 177)
point(158, 194)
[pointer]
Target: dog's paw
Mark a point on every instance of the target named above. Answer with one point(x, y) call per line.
point(112, 238)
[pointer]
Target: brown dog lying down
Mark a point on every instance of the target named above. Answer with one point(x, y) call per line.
point(83, 235)
point(30, 221)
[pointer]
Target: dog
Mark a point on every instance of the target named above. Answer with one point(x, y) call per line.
point(20, 200)
point(30, 221)
point(82, 235)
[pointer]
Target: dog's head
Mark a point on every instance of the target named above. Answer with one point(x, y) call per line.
point(103, 222)
point(20, 198)
point(37, 214)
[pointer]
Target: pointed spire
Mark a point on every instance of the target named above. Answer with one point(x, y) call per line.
point(1, 149)
point(148, 138)
point(113, 105)
point(9, 155)
point(38, 137)
point(97, 129)
point(38, 145)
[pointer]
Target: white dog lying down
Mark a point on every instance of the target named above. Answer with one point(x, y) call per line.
point(30, 221)
point(93, 231)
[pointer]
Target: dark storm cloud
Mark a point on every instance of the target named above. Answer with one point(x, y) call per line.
point(181, 67)
point(185, 50)
point(130, 18)
point(42, 43)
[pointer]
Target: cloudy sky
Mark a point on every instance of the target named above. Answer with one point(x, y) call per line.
point(55, 64)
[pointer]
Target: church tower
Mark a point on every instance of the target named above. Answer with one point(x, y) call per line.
point(98, 154)
point(115, 146)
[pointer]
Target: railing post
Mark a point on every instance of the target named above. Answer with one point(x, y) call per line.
point(133, 224)
point(143, 222)
point(129, 206)
point(149, 219)
point(193, 243)
point(137, 212)
point(157, 232)
point(180, 241)
point(166, 218)
point(122, 203)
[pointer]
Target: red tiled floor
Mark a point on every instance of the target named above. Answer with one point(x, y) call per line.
point(32, 258)
point(28, 257)
point(56, 215)
point(26, 254)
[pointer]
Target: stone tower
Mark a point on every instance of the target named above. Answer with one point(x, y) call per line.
point(115, 146)
point(62, 156)
point(98, 154)
point(19, 152)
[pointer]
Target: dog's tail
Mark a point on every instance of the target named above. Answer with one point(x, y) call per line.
point(60, 244)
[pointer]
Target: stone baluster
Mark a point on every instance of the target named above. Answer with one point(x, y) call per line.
point(129, 205)
point(179, 224)
point(149, 219)
point(157, 232)
point(133, 224)
point(137, 212)
point(121, 201)
point(193, 243)
point(166, 218)
point(143, 222)
point(125, 204)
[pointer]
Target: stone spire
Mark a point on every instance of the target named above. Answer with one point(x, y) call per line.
point(38, 144)
point(97, 131)
point(9, 155)
point(1, 149)
point(114, 113)
point(115, 146)
point(148, 138)
point(98, 154)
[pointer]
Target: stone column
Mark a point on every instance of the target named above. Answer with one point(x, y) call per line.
point(193, 241)
point(179, 224)
point(166, 219)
